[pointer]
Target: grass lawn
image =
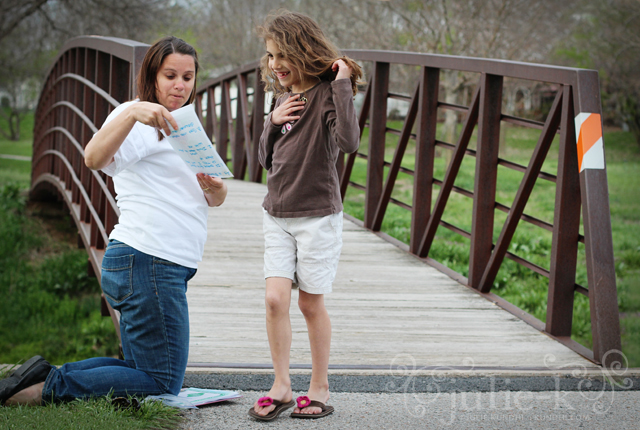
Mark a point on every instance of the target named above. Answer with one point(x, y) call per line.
point(96, 414)
point(21, 147)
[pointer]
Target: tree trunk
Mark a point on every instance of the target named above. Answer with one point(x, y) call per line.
point(14, 125)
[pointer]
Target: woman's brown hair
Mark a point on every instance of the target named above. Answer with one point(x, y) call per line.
point(153, 61)
point(304, 45)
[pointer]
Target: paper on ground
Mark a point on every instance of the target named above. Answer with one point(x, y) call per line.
point(191, 398)
point(193, 145)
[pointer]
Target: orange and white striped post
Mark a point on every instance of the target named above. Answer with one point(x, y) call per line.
point(589, 139)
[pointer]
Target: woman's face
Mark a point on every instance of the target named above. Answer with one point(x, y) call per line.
point(175, 81)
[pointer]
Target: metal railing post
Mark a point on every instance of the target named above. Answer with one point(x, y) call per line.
point(485, 177)
point(377, 138)
point(603, 301)
point(566, 231)
point(425, 152)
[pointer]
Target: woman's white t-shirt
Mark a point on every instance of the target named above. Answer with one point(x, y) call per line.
point(163, 211)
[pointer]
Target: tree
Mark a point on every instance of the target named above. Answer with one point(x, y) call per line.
point(517, 30)
point(23, 61)
point(16, 11)
point(606, 37)
point(32, 32)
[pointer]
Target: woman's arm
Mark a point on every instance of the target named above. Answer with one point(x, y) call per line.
point(101, 149)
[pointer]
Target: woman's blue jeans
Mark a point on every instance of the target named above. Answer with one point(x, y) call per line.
point(150, 294)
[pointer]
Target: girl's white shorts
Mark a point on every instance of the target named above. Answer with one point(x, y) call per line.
point(305, 250)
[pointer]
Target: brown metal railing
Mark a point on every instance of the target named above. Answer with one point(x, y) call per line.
point(233, 107)
point(241, 125)
point(90, 77)
point(239, 113)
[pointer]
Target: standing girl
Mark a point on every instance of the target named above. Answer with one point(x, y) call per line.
point(313, 119)
point(153, 251)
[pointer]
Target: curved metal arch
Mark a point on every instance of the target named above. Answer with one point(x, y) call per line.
point(105, 95)
point(96, 175)
point(75, 109)
point(104, 70)
point(59, 183)
point(128, 50)
point(51, 88)
point(66, 133)
point(81, 115)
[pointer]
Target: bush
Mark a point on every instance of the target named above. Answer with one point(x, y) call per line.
point(50, 304)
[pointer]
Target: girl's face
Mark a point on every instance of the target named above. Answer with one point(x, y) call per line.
point(175, 81)
point(287, 74)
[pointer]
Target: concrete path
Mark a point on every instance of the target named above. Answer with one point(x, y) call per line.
point(406, 411)
point(15, 157)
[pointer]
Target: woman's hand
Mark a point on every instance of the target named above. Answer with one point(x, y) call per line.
point(214, 189)
point(102, 147)
point(344, 71)
point(287, 111)
point(154, 115)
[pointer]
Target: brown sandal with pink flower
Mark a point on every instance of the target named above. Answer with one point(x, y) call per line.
point(267, 401)
point(305, 402)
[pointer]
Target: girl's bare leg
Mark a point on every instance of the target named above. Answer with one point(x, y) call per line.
point(319, 327)
point(278, 301)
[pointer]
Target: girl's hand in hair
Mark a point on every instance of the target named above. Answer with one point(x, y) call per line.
point(287, 111)
point(344, 71)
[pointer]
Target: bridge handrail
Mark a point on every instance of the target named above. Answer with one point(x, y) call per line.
point(91, 76)
point(236, 131)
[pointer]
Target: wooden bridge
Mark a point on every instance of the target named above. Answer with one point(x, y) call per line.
point(393, 305)
point(388, 307)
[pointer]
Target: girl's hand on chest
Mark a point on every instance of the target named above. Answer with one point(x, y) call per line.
point(288, 110)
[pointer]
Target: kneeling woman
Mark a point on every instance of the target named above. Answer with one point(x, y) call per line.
point(153, 251)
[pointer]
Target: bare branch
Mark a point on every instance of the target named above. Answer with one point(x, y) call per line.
point(14, 21)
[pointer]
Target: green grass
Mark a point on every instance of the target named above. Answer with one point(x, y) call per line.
point(515, 283)
point(21, 147)
point(89, 415)
point(15, 171)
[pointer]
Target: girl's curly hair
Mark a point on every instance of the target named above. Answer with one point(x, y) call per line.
point(304, 45)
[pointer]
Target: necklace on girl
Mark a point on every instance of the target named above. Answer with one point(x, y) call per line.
point(287, 126)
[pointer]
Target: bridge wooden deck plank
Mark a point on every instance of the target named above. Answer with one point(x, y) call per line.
point(387, 307)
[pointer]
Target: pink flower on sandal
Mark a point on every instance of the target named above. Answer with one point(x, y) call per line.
point(265, 401)
point(303, 401)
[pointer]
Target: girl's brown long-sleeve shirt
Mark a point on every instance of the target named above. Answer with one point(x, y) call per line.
point(300, 157)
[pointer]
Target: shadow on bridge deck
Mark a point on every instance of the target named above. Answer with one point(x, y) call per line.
point(388, 309)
